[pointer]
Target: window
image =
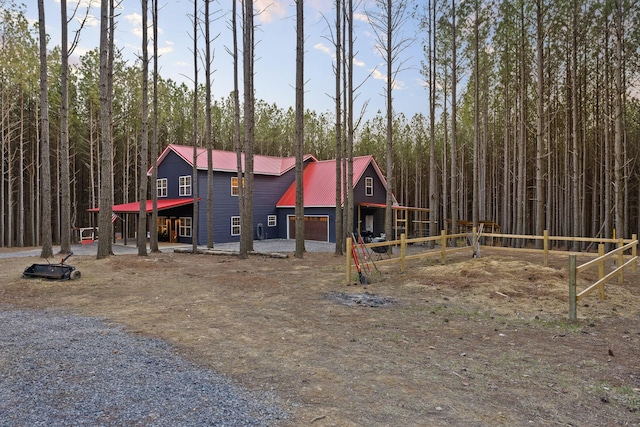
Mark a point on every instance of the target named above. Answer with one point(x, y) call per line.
point(235, 225)
point(161, 185)
point(271, 221)
point(234, 185)
point(184, 230)
point(185, 185)
point(368, 186)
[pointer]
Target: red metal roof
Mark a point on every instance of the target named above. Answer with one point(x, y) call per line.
point(134, 207)
point(226, 161)
point(320, 182)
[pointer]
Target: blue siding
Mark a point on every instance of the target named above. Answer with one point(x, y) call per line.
point(172, 168)
point(266, 193)
point(379, 196)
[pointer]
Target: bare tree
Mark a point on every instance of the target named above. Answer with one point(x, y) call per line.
point(540, 122)
point(246, 231)
point(454, 127)
point(208, 137)
point(299, 128)
point(236, 109)
point(47, 250)
point(144, 137)
point(387, 25)
point(106, 89)
point(338, 130)
point(154, 137)
point(194, 179)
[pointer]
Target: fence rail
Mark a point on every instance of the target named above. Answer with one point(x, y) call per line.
point(575, 296)
point(445, 240)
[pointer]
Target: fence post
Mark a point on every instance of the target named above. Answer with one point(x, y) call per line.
point(601, 270)
point(572, 287)
point(620, 261)
point(545, 247)
point(443, 247)
point(403, 252)
point(634, 251)
point(348, 251)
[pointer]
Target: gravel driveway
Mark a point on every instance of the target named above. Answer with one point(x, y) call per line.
point(62, 370)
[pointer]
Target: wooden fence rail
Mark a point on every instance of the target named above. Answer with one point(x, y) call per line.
point(575, 296)
point(449, 244)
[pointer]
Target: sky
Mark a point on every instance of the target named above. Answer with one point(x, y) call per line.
point(275, 50)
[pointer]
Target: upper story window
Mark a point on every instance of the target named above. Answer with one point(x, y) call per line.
point(185, 185)
point(161, 185)
point(368, 186)
point(272, 220)
point(234, 185)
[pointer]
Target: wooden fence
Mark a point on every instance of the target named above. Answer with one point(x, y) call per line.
point(575, 296)
point(450, 243)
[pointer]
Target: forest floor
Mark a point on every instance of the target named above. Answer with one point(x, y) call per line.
point(476, 342)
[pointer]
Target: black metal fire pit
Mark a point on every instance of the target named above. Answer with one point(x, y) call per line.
point(59, 271)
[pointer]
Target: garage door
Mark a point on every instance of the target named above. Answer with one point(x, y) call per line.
point(315, 228)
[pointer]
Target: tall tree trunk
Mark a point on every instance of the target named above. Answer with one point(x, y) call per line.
point(65, 186)
point(246, 232)
point(154, 136)
point(575, 168)
point(540, 124)
point(106, 171)
point(208, 59)
point(299, 135)
point(349, 228)
point(236, 110)
point(454, 118)
point(144, 137)
point(194, 179)
point(339, 56)
point(618, 184)
point(433, 188)
point(47, 249)
point(388, 217)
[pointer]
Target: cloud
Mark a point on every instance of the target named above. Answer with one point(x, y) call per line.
point(325, 49)
point(397, 84)
point(362, 17)
point(135, 20)
point(358, 63)
point(269, 10)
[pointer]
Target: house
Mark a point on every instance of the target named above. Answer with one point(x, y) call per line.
point(273, 197)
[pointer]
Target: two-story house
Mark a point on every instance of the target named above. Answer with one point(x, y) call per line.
point(273, 197)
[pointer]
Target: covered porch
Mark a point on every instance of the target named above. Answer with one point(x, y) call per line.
point(412, 221)
point(171, 215)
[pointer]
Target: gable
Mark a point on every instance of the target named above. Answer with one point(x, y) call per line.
point(319, 182)
point(227, 161)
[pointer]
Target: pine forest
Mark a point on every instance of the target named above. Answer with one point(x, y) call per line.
point(531, 117)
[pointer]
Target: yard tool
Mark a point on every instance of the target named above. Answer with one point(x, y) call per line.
point(361, 276)
point(366, 255)
point(59, 271)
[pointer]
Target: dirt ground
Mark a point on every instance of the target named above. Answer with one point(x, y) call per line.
point(476, 342)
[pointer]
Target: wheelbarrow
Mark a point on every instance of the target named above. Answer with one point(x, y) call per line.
point(50, 271)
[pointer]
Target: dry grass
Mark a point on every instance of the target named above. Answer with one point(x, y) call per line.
point(476, 342)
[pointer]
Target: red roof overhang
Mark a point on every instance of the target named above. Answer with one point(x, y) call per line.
point(134, 207)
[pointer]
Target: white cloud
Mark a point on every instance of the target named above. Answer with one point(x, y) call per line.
point(269, 10)
point(358, 63)
point(361, 17)
point(135, 20)
point(91, 22)
point(325, 49)
point(397, 84)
